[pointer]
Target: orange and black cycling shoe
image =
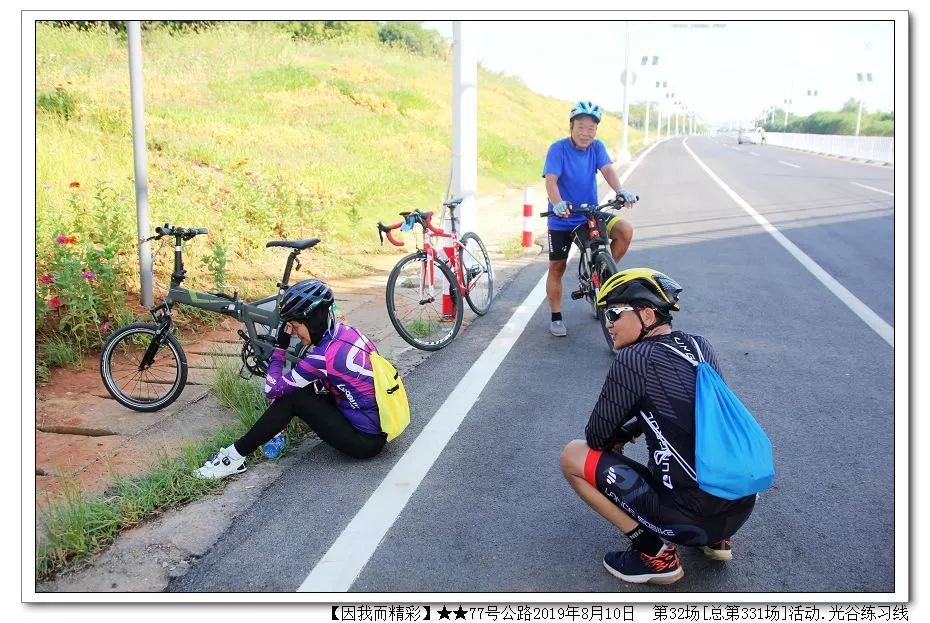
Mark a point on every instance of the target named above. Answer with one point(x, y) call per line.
point(638, 568)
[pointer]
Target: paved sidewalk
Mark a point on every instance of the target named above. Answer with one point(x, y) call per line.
point(84, 437)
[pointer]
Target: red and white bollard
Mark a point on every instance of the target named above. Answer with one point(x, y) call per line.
point(527, 218)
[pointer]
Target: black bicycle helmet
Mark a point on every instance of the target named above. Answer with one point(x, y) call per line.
point(306, 300)
point(641, 284)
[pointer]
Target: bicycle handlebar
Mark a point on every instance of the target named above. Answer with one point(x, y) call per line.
point(584, 208)
point(170, 230)
point(425, 219)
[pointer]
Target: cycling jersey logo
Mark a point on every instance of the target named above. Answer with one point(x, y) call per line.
point(349, 396)
point(666, 451)
point(683, 346)
point(611, 476)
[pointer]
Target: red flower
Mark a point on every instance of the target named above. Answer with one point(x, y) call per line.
point(89, 274)
point(55, 302)
point(72, 239)
point(46, 278)
point(74, 185)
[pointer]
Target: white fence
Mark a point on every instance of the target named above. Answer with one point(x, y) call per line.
point(873, 148)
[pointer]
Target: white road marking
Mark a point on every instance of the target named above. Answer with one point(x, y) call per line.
point(882, 328)
point(339, 567)
point(788, 164)
point(878, 190)
point(752, 153)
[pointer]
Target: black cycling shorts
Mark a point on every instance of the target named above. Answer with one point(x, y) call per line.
point(686, 517)
point(560, 241)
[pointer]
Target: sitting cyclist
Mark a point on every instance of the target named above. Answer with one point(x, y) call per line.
point(570, 171)
point(649, 389)
point(346, 417)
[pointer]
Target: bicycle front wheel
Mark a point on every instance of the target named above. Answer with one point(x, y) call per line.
point(604, 268)
point(477, 273)
point(142, 370)
point(426, 310)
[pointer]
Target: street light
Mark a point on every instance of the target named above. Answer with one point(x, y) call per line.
point(645, 63)
point(787, 103)
point(862, 79)
point(663, 87)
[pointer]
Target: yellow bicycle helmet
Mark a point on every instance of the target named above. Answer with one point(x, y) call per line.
point(641, 284)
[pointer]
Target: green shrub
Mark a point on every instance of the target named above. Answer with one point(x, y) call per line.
point(317, 32)
point(412, 37)
point(59, 102)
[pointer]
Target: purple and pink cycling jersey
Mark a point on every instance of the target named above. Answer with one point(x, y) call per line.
point(341, 363)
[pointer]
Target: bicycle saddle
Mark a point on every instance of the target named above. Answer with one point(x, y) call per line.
point(294, 244)
point(454, 203)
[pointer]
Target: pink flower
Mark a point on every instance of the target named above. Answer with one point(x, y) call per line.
point(61, 239)
point(46, 278)
point(89, 274)
point(105, 327)
point(55, 302)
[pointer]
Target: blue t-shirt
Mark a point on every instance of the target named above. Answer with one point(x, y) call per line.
point(577, 170)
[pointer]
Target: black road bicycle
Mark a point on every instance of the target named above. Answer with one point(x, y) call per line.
point(595, 263)
point(143, 365)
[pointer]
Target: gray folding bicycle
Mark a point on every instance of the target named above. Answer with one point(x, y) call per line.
point(143, 365)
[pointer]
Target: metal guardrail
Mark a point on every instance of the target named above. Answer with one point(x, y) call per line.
point(871, 148)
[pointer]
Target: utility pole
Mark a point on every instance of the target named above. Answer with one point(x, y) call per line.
point(862, 79)
point(624, 155)
point(134, 33)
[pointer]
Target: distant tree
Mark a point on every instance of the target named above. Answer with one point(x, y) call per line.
point(851, 105)
point(412, 37)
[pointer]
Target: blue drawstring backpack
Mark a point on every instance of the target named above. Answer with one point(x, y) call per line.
point(732, 454)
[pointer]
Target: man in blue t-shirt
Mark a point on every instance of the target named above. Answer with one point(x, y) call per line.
point(571, 178)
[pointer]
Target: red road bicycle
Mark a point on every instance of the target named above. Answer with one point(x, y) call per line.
point(425, 307)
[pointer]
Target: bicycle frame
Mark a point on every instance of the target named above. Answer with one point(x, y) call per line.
point(428, 277)
point(261, 312)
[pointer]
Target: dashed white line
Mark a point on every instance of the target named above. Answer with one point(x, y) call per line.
point(882, 328)
point(878, 190)
point(788, 164)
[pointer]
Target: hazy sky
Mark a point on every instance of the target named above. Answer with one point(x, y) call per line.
point(726, 71)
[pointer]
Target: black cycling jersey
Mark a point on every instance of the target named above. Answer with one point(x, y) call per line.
point(649, 382)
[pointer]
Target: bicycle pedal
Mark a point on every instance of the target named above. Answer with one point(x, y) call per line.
point(577, 294)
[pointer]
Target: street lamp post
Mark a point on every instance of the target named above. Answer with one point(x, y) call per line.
point(645, 63)
point(661, 86)
point(787, 103)
point(861, 79)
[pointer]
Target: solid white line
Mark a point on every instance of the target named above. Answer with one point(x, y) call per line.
point(878, 190)
point(788, 164)
point(882, 328)
point(339, 567)
point(752, 153)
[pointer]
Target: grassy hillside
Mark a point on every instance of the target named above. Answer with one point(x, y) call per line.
point(256, 135)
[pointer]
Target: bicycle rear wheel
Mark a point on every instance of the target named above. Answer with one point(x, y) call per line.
point(604, 267)
point(141, 373)
point(478, 273)
point(425, 312)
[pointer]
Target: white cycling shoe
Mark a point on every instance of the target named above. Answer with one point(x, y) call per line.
point(220, 465)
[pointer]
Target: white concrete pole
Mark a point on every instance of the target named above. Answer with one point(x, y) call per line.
point(646, 136)
point(624, 154)
point(134, 31)
point(465, 124)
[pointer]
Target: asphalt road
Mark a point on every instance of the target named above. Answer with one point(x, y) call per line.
point(493, 514)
